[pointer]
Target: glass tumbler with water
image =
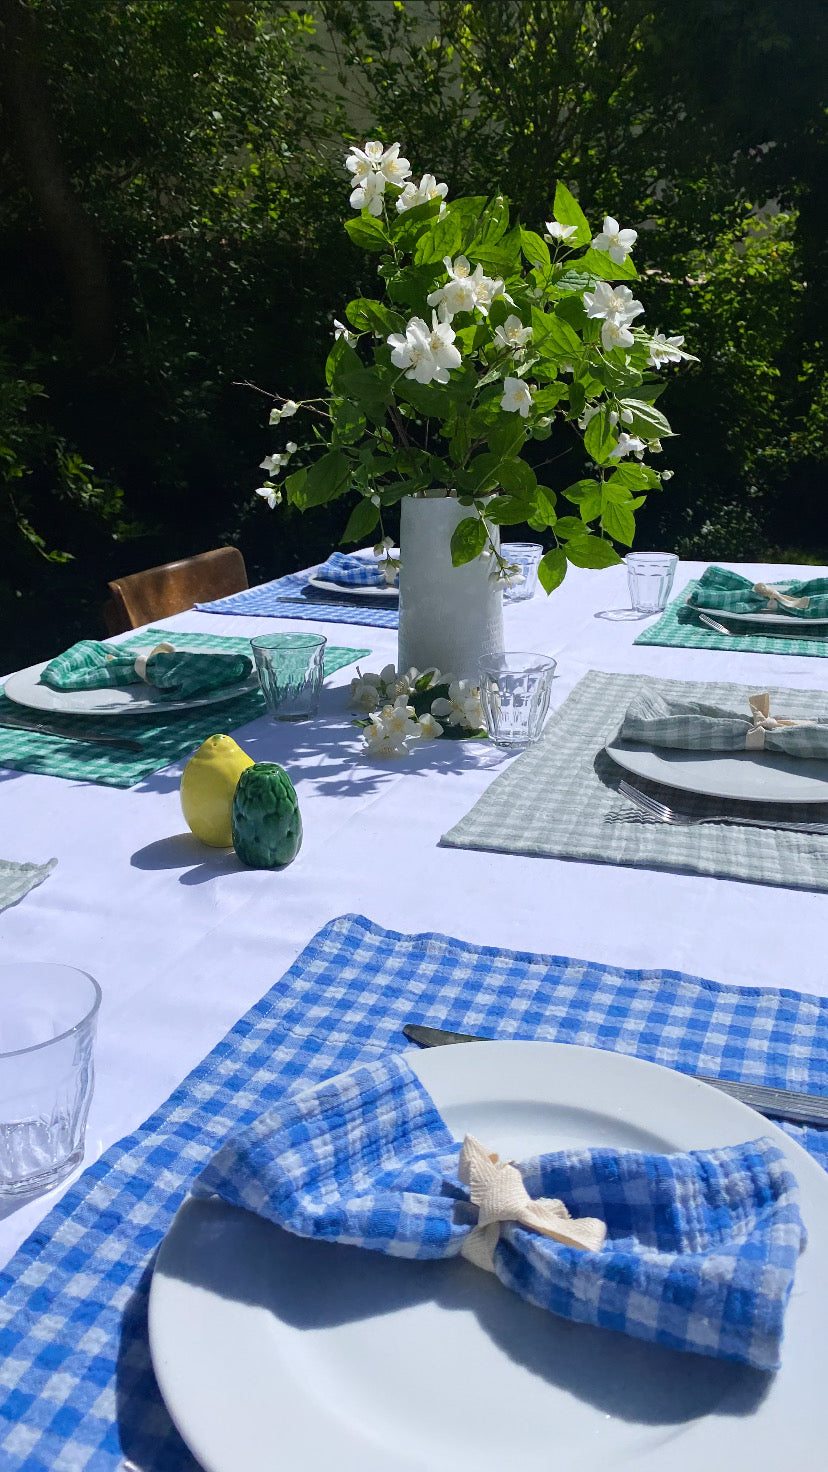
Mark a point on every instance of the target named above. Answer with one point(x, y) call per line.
point(48, 1015)
point(650, 577)
point(525, 556)
point(515, 690)
point(291, 669)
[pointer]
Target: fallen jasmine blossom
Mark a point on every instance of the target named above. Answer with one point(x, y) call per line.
point(403, 709)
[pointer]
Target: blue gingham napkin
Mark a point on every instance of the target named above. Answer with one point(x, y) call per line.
point(354, 570)
point(700, 1252)
point(77, 1391)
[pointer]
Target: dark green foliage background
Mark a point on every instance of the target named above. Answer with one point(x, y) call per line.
point(201, 142)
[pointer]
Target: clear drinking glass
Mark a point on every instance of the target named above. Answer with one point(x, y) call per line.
point(48, 1015)
point(291, 669)
point(650, 576)
point(514, 692)
point(526, 556)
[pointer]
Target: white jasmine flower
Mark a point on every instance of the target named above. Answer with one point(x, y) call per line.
point(291, 447)
point(616, 242)
point(628, 444)
point(615, 335)
point(486, 290)
point(589, 413)
point(388, 674)
point(517, 397)
point(462, 708)
point(667, 474)
point(512, 333)
point(379, 742)
point(376, 499)
point(363, 694)
point(427, 189)
point(395, 169)
point(289, 408)
point(275, 462)
point(363, 161)
point(559, 232)
point(391, 568)
point(428, 354)
point(270, 495)
point(398, 719)
point(615, 303)
point(368, 194)
point(665, 350)
point(429, 729)
point(340, 330)
point(459, 294)
point(626, 416)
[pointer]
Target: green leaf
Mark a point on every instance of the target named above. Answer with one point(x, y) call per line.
point(326, 479)
point(341, 359)
point(546, 399)
point(577, 399)
point(590, 506)
point(506, 510)
point(411, 224)
point(634, 477)
point(569, 526)
point(361, 521)
point(599, 263)
point(516, 475)
point(468, 540)
point(619, 521)
point(295, 487)
point(577, 282)
point(507, 436)
point(492, 224)
point(552, 337)
point(600, 438)
point(434, 402)
point(567, 211)
point(616, 376)
point(442, 239)
point(552, 569)
point(347, 421)
point(647, 421)
point(535, 249)
point(589, 551)
point(365, 386)
point(572, 311)
point(580, 489)
point(545, 503)
point(368, 315)
point(368, 232)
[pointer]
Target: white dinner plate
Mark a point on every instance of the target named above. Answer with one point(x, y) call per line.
point(25, 688)
point(384, 594)
point(786, 619)
point(745, 775)
point(286, 1355)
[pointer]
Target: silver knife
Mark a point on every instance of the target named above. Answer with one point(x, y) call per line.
point(775, 1103)
point(67, 734)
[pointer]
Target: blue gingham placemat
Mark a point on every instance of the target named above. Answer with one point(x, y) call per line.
point(77, 1392)
point(292, 597)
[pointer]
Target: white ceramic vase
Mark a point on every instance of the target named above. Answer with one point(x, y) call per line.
point(450, 616)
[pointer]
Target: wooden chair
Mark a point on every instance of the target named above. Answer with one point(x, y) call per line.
point(161, 591)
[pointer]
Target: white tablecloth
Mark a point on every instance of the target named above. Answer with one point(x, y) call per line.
point(183, 940)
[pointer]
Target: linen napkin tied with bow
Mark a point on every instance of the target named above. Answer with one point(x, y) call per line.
point(729, 591)
point(693, 725)
point(176, 673)
point(693, 1251)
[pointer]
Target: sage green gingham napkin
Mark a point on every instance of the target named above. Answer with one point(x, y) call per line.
point(165, 736)
point(679, 628)
point(17, 879)
point(560, 798)
point(696, 725)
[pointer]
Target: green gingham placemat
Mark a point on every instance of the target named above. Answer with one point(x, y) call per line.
point(679, 627)
point(560, 798)
point(164, 737)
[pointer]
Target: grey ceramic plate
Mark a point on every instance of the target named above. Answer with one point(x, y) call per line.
point(25, 688)
point(745, 775)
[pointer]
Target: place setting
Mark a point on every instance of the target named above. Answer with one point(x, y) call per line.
point(725, 610)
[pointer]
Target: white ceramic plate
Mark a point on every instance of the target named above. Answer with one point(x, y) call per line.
point(784, 619)
point(385, 595)
point(25, 688)
point(746, 775)
point(280, 1354)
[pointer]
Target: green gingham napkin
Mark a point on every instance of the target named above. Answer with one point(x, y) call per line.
point(560, 798)
point(695, 725)
point(720, 588)
point(17, 879)
point(164, 736)
point(679, 628)
point(177, 673)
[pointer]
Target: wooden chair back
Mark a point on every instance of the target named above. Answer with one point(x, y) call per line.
point(159, 592)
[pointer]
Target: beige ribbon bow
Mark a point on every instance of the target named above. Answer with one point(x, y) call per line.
point(762, 722)
point(496, 1188)
point(143, 659)
point(776, 598)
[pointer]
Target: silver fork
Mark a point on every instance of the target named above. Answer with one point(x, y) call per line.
point(713, 623)
point(663, 814)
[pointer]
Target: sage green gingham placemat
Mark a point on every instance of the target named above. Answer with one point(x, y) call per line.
point(679, 627)
point(164, 737)
point(560, 800)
